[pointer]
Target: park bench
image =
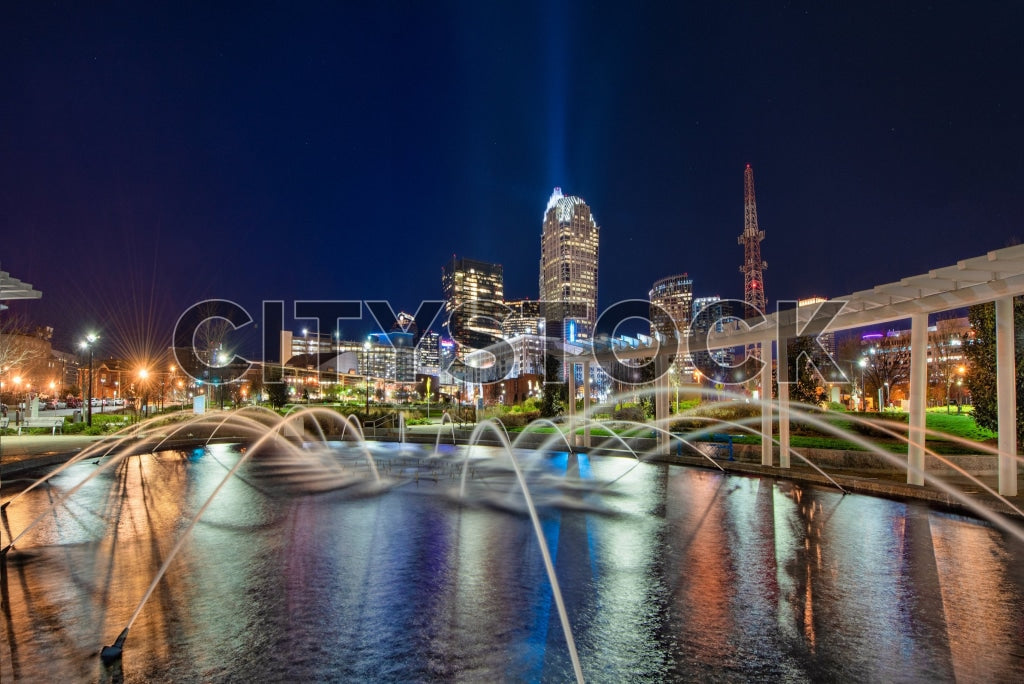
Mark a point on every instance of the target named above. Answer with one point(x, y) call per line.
point(720, 446)
point(53, 423)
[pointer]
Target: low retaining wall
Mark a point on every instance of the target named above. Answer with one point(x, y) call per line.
point(826, 459)
point(835, 459)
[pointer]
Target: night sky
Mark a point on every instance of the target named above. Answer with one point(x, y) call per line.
point(154, 156)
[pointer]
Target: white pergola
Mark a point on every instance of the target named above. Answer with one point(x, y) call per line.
point(12, 288)
point(997, 276)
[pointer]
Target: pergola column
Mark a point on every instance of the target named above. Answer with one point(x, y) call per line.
point(783, 421)
point(586, 404)
point(1006, 396)
point(570, 377)
point(661, 403)
point(918, 396)
point(766, 402)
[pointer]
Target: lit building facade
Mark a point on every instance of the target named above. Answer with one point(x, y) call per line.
point(390, 356)
point(476, 291)
point(715, 362)
point(825, 339)
point(671, 313)
point(568, 264)
point(307, 342)
point(523, 317)
point(428, 354)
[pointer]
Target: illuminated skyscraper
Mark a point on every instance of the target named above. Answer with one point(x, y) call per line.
point(671, 313)
point(714, 365)
point(673, 300)
point(476, 289)
point(568, 263)
point(524, 318)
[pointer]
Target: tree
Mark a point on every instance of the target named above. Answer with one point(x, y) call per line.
point(277, 392)
point(256, 385)
point(552, 399)
point(945, 343)
point(16, 344)
point(888, 363)
point(806, 387)
point(275, 387)
point(980, 351)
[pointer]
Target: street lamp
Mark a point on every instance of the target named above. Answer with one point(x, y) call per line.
point(143, 377)
point(222, 360)
point(366, 377)
point(863, 363)
point(19, 412)
point(88, 343)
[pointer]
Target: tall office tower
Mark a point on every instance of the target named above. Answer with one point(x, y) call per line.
point(568, 265)
point(712, 365)
point(524, 318)
point(428, 354)
point(671, 312)
point(476, 289)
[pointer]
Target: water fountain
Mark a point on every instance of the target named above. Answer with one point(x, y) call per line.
point(299, 537)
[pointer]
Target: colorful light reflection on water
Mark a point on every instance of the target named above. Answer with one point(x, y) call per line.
point(684, 574)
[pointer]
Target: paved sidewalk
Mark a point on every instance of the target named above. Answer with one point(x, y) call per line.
point(21, 452)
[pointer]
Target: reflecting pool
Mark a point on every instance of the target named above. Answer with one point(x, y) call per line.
point(667, 573)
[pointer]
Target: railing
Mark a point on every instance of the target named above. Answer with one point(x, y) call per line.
point(390, 419)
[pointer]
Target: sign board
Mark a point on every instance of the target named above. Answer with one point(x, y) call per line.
point(199, 404)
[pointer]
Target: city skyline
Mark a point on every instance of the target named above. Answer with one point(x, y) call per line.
point(154, 157)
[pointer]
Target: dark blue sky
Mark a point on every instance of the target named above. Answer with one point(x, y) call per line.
point(151, 157)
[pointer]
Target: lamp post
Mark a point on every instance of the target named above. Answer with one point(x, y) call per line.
point(88, 343)
point(366, 377)
point(222, 360)
point(863, 363)
point(959, 389)
point(143, 380)
point(19, 412)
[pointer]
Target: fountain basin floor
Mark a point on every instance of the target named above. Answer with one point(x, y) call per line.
point(312, 573)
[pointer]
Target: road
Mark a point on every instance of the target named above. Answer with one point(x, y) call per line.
point(43, 413)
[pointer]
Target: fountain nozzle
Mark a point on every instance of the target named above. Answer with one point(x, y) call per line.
point(112, 653)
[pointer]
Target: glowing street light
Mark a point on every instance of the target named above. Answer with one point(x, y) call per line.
point(143, 380)
point(366, 378)
point(863, 363)
point(88, 343)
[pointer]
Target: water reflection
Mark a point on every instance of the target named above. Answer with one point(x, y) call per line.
point(683, 574)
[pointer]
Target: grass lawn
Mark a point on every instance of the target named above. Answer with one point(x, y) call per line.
point(960, 425)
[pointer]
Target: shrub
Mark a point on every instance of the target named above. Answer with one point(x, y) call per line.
point(885, 416)
point(517, 420)
point(630, 412)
